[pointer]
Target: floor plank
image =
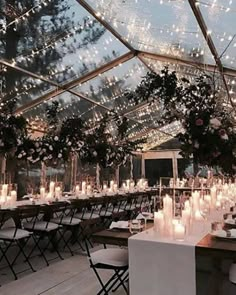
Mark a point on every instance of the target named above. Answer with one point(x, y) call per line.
point(71, 276)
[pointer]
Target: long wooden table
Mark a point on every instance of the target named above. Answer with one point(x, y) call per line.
point(215, 249)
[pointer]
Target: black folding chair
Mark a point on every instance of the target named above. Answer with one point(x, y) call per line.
point(90, 219)
point(11, 236)
point(115, 259)
point(42, 229)
point(63, 214)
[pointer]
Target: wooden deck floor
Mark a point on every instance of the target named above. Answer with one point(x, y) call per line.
point(71, 276)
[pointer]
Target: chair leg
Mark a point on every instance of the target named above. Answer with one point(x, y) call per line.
point(7, 260)
point(24, 254)
point(66, 242)
point(106, 288)
point(51, 240)
point(40, 250)
point(122, 280)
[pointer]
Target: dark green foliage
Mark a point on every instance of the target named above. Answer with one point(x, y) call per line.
point(209, 127)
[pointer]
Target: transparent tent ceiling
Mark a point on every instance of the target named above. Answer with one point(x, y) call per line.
point(86, 54)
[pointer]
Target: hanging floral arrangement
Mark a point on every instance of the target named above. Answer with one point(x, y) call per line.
point(209, 126)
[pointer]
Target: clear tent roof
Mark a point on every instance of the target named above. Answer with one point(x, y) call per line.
point(86, 54)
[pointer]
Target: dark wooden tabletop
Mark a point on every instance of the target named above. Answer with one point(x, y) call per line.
point(114, 236)
point(225, 248)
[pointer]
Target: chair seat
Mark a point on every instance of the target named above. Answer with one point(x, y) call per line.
point(86, 216)
point(8, 234)
point(41, 226)
point(105, 213)
point(110, 257)
point(67, 220)
point(117, 210)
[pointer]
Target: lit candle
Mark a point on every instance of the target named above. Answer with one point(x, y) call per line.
point(198, 216)
point(13, 195)
point(115, 187)
point(196, 200)
point(179, 231)
point(84, 187)
point(89, 189)
point(42, 193)
point(213, 197)
point(168, 214)
point(159, 221)
point(4, 190)
point(52, 188)
point(187, 204)
point(128, 183)
point(207, 199)
point(112, 185)
point(57, 192)
point(77, 191)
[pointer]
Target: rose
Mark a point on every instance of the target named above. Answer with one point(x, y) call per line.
point(223, 134)
point(199, 122)
point(215, 123)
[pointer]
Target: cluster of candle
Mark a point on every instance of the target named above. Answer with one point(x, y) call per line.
point(7, 196)
point(221, 197)
point(142, 184)
point(177, 182)
point(54, 192)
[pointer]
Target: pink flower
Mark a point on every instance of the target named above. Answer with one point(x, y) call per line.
point(222, 132)
point(199, 122)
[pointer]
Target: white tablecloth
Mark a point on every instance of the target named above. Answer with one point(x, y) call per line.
point(163, 266)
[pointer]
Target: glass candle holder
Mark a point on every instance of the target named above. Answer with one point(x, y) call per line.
point(179, 230)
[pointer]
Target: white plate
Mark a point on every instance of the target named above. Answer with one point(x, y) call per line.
point(230, 221)
point(223, 235)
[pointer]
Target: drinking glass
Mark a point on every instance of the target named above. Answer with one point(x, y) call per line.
point(135, 226)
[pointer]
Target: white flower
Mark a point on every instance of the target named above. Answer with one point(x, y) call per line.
point(50, 148)
point(59, 155)
point(215, 123)
point(95, 154)
point(69, 143)
point(196, 145)
point(225, 136)
point(56, 138)
point(19, 156)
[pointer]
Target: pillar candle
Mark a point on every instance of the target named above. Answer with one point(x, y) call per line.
point(128, 183)
point(52, 188)
point(4, 190)
point(159, 221)
point(42, 192)
point(196, 200)
point(89, 189)
point(13, 195)
point(57, 192)
point(179, 231)
point(105, 188)
point(115, 187)
point(213, 197)
point(112, 185)
point(77, 191)
point(198, 216)
point(84, 187)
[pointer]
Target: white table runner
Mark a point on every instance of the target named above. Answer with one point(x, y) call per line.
point(163, 266)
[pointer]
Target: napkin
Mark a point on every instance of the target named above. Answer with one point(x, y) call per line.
point(140, 216)
point(119, 224)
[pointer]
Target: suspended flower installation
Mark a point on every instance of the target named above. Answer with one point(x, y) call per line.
point(93, 144)
point(209, 127)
